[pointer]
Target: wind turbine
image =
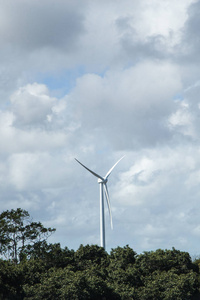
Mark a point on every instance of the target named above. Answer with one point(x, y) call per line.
point(103, 186)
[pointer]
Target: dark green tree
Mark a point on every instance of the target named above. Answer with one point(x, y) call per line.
point(67, 284)
point(167, 275)
point(123, 276)
point(17, 231)
point(122, 257)
point(168, 285)
point(165, 260)
point(11, 281)
point(90, 256)
point(51, 255)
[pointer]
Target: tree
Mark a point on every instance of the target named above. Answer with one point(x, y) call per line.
point(11, 281)
point(167, 275)
point(67, 284)
point(168, 285)
point(123, 277)
point(51, 255)
point(165, 260)
point(90, 256)
point(17, 232)
point(122, 257)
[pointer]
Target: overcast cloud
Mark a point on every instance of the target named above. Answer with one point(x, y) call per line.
point(96, 80)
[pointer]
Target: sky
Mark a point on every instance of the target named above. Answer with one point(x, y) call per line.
point(96, 80)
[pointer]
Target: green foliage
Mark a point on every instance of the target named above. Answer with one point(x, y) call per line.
point(17, 232)
point(47, 271)
point(91, 256)
point(165, 260)
point(167, 274)
point(122, 257)
point(12, 231)
point(92, 273)
point(67, 284)
point(52, 255)
point(168, 286)
point(11, 281)
point(123, 277)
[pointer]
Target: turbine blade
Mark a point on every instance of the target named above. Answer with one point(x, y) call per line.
point(95, 174)
point(108, 202)
point(106, 177)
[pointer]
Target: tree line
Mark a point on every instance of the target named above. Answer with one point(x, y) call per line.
point(31, 268)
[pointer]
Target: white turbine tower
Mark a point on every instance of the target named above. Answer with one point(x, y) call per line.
point(103, 186)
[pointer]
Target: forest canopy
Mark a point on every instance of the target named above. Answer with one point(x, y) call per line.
point(31, 268)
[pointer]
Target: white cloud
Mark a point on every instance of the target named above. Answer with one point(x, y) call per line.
point(30, 171)
point(156, 171)
point(33, 25)
point(183, 121)
point(141, 95)
point(128, 62)
point(31, 104)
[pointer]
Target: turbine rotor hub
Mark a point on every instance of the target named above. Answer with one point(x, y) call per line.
point(102, 181)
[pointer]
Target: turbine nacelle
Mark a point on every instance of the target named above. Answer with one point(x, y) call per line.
point(100, 180)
